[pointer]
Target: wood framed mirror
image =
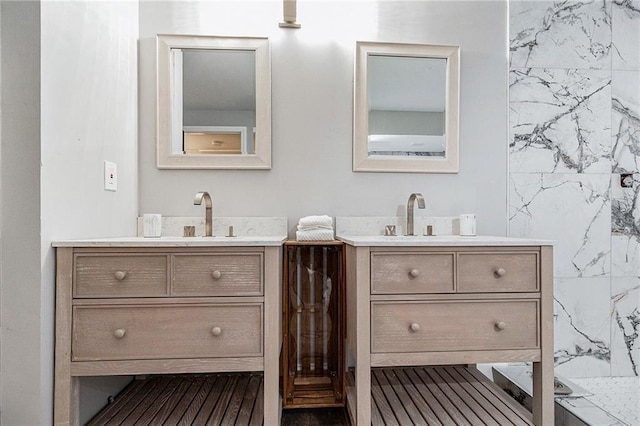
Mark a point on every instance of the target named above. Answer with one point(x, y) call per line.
point(406, 108)
point(214, 102)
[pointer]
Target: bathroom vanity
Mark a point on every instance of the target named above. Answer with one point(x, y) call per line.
point(447, 300)
point(138, 306)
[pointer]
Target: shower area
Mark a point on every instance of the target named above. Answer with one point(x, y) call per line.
point(574, 154)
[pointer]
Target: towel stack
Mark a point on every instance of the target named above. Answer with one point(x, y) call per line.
point(315, 228)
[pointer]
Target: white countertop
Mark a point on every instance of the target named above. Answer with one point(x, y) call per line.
point(439, 240)
point(174, 242)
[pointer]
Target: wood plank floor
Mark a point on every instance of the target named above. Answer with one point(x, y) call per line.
point(220, 399)
point(440, 396)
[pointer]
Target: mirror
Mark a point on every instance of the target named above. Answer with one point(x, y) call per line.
point(214, 102)
point(406, 100)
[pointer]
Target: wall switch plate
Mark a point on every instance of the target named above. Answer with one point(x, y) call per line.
point(110, 176)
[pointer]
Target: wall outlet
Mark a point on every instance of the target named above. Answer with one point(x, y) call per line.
point(110, 176)
point(626, 180)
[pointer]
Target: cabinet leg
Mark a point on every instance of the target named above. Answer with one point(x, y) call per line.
point(67, 402)
point(363, 395)
point(543, 402)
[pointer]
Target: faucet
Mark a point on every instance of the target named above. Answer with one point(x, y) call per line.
point(208, 208)
point(412, 198)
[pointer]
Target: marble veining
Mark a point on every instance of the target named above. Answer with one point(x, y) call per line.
point(574, 210)
point(625, 121)
point(560, 120)
point(626, 34)
point(574, 113)
point(581, 310)
point(625, 326)
point(625, 228)
point(560, 34)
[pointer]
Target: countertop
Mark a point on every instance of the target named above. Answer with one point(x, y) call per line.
point(439, 240)
point(174, 242)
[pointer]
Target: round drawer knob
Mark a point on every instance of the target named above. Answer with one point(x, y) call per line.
point(120, 275)
point(216, 275)
point(216, 331)
point(501, 325)
point(119, 333)
point(414, 273)
point(415, 327)
point(500, 272)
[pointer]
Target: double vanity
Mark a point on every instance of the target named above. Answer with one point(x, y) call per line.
point(139, 306)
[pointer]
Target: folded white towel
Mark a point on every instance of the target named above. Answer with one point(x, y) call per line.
point(319, 220)
point(313, 227)
point(315, 235)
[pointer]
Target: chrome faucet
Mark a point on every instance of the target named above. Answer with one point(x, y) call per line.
point(208, 209)
point(412, 198)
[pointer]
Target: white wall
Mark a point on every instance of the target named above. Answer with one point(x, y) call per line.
point(23, 373)
point(89, 114)
point(312, 76)
point(69, 86)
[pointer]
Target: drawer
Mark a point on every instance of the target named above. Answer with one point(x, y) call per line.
point(411, 272)
point(126, 275)
point(497, 272)
point(112, 332)
point(453, 326)
point(234, 274)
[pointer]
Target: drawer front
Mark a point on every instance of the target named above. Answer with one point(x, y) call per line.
point(157, 332)
point(453, 326)
point(497, 272)
point(237, 274)
point(412, 273)
point(120, 276)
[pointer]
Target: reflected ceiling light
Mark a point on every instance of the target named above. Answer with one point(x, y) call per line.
point(289, 14)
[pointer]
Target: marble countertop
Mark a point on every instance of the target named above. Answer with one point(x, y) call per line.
point(439, 240)
point(175, 242)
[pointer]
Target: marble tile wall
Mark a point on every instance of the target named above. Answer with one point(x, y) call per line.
point(574, 116)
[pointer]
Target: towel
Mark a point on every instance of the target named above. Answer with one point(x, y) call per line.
point(315, 221)
point(313, 227)
point(315, 235)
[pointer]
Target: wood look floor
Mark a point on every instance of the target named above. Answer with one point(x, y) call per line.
point(440, 396)
point(216, 399)
point(399, 396)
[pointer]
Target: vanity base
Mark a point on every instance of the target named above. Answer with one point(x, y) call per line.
point(437, 395)
point(189, 399)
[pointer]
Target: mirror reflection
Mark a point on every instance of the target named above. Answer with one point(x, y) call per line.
point(218, 101)
point(406, 105)
point(214, 102)
point(406, 108)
